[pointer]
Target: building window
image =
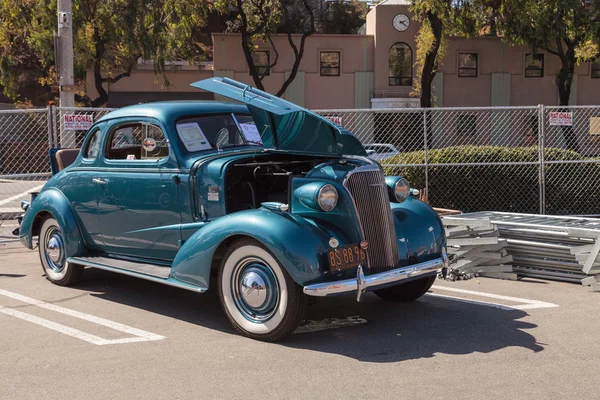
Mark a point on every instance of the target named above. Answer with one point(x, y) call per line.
point(262, 62)
point(467, 65)
point(596, 69)
point(400, 65)
point(534, 65)
point(466, 125)
point(330, 63)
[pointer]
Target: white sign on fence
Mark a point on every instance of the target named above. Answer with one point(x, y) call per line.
point(561, 119)
point(336, 120)
point(78, 122)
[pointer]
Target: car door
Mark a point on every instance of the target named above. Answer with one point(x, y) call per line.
point(82, 191)
point(138, 203)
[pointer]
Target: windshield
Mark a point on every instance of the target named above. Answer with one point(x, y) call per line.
point(214, 132)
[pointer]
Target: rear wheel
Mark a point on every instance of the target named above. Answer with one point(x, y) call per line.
point(407, 292)
point(258, 296)
point(52, 249)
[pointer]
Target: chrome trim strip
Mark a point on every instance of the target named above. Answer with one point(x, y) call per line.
point(362, 283)
point(169, 282)
point(137, 170)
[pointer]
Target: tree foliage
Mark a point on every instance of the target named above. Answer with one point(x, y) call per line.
point(26, 50)
point(566, 29)
point(439, 20)
point(343, 17)
point(259, 20)
point(108, 36)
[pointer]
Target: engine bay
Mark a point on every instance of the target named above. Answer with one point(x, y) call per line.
point(252, 181)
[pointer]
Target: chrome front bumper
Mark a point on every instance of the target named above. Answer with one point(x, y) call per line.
point(363, 283)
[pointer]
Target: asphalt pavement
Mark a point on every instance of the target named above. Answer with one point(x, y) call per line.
point(116, 337)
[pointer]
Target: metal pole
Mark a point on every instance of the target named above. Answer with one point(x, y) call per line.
point(426, 146)
point(542, 178)
point(49, 122)
point(65, 64)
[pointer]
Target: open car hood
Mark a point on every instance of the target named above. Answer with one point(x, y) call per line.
point(284, 125)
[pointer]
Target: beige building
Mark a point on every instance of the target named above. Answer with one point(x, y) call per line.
point(375, 70)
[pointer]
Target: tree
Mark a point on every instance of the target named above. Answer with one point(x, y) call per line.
point(562, 28)
point(26, 50)
point(109, 37)
point(439, 19)
point(343, 17)
point(259, 20)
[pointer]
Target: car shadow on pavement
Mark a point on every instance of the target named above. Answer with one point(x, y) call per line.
point(393, 331)
point(404, 331)
point(11, 276)
point(200, 309)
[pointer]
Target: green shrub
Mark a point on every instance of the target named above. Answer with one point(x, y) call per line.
point(571, 188)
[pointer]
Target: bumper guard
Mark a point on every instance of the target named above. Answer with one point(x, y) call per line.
point(363, 283)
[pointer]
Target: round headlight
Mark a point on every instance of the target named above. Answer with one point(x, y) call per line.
point(401, 190)
point(327, 197)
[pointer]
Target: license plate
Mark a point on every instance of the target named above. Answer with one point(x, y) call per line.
point(346, 257)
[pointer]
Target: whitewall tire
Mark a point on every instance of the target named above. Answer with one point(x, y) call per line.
point(52, 249)
point(257, 294)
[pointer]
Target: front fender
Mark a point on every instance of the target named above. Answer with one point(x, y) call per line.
point(54, 202)
point(297, 244)
point(419, 231)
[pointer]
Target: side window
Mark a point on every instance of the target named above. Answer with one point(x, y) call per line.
point(137, 141)
point(93, 145)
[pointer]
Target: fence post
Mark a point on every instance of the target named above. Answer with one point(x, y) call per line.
point(50, 126)
point(55, 127)
point(541, 140)
point(426, 148)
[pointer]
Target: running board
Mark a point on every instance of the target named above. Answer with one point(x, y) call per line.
point(149, 272)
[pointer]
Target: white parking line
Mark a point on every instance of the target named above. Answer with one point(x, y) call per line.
point(527, 304)
point(139, 335)
point(23, 195)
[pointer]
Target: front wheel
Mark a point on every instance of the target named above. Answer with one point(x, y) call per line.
point(407, 292)
point(258, 296)
point(52, 248)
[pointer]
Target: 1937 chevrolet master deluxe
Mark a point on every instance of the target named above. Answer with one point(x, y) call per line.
point(278, 202)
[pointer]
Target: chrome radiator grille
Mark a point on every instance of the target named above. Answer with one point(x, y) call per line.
point(372, 202)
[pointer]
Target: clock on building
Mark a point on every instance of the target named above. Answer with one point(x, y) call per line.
point(401, 22)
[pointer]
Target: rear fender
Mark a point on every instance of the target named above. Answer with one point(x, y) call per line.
point(54, 203)
point(297, 244)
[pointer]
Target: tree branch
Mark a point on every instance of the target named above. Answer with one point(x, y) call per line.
point(124, 74)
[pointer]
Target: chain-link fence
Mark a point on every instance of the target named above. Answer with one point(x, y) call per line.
point(25, 137)
point(517, 159)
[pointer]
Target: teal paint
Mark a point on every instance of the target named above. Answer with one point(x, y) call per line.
point(363, 89)
point(500, 96)
point(500, 91)
point(128, 217)
point(52, 201)
point(295, 91)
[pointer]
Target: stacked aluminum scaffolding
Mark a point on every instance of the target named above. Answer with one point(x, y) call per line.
point(548, 247)
point(476, 249)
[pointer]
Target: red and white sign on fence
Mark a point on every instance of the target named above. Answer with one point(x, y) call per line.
point(561, 118)
point(78, 122)
point(336, 120)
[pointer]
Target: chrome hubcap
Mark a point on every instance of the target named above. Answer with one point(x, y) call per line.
point(255, 289)
point(54, 247)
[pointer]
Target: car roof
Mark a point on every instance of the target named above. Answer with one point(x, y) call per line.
point(171, 110)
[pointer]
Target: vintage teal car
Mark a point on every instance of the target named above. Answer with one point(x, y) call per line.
point(275, 201)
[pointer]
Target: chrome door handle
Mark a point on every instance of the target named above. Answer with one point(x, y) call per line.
point(100, 181)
